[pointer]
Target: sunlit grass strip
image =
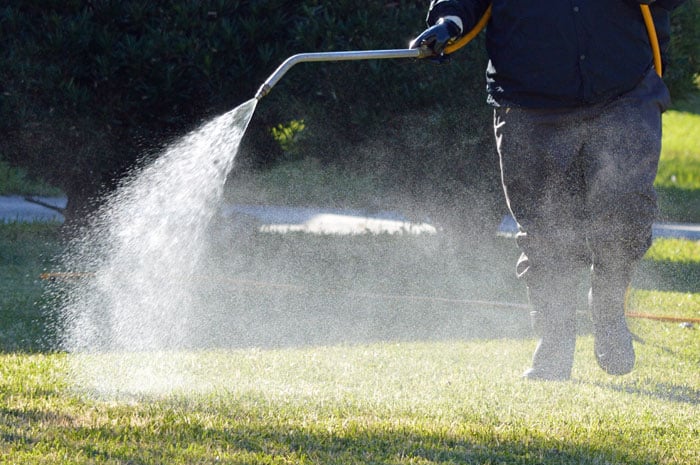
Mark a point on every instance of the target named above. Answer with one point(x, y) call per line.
point(678, 304)
point(448, 402)
point(681, 132)
point(675, 250)
point(678, 178)
point(685, 256)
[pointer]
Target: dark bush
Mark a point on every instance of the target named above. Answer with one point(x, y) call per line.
point(89, 89)
point(684, 53)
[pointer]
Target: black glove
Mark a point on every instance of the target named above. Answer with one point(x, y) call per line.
point(437, 37)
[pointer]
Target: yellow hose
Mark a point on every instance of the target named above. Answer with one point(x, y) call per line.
point(646, 14)
point(653, 39)
point(465, 39)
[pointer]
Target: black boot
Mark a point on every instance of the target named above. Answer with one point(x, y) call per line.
point(613, 341)
point(554, 355)
point(554, 321)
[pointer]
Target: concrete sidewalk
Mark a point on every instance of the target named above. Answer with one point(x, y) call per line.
point(278, 219)
point(284, 219)
point(508, 228)
point(32, 209)
point(265, 218)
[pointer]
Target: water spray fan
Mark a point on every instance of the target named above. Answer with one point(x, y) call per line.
point(422, 52)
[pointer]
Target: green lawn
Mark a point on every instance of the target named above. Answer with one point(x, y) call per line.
point(412, 381)
point(678, 179)
point(358, 350)
point(390, 403)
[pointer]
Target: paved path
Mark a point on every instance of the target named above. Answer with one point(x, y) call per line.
point(265, 218)
point(282, 219)
point(508, 228)
point(30, 209)
point(324, 220)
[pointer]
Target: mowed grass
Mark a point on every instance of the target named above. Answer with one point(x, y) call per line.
point(390, 403)
point(26, 250)
point(443, 402)
point(678, 179)
point(406, 397)
point(383, 372)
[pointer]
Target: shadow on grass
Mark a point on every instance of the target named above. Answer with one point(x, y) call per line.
point(273, 291)
point(285, 319)
point(679, 205)
point(299, 290)
point(668, 276)
point(285, 290)
point(248, 437)
point(662, 391)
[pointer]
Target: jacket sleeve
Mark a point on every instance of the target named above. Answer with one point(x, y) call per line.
point(469, 11)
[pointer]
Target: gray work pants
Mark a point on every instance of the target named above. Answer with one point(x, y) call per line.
point(579, 182)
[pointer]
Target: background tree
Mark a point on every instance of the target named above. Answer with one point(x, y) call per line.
point(89, 90)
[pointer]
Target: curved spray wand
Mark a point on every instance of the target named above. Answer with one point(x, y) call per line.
point(419, 52)
point(336, 56)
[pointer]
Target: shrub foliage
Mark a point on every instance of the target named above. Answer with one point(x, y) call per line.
point(89, 89)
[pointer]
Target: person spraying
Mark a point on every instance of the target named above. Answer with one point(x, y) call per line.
point(577, 122)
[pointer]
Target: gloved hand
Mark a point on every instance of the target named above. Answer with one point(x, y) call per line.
point(437, 37)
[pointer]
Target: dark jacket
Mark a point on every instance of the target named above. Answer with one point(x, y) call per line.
point(561, 53)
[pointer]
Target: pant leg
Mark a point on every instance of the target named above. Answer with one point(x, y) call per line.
point(543, 183)
point(621, 202)
point(623, 160)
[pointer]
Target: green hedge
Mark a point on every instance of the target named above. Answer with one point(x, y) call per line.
point(89, 89)
point(684, 59)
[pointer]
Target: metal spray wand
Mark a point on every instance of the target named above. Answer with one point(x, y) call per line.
point(336, 56)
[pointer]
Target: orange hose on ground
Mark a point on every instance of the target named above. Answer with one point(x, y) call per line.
point(670, 319)
point(277, 287)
